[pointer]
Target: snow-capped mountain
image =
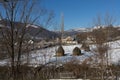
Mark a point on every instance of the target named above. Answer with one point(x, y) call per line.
point(80, 30)
point(75, 31)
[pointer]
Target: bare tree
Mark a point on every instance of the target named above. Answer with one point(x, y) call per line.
point(16, 17)
point(100, 37)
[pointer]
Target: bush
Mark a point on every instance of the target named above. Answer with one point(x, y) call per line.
point(60, 51)
point(85, 47)
point(76, 51)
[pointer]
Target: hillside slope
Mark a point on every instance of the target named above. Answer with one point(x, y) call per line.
point(35, 31)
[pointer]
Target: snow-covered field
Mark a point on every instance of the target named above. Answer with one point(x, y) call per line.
point(48, 55)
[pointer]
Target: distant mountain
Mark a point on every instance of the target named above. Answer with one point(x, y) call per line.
point(79, 30)
point(41, 33)
point(35, 31)
point(72, 32)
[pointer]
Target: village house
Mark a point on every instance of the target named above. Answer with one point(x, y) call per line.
point(69, 40)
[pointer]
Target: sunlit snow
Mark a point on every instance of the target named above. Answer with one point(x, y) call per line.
point(47, 55)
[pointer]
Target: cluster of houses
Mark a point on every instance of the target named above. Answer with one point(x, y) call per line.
point(44, 44)
point(69, 40)
point(66, 40)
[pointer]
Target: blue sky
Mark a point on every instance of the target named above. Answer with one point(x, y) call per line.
point(80, 13)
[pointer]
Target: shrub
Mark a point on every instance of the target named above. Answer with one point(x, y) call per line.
point(76, 51)
point(60, 51)
point(85, 47)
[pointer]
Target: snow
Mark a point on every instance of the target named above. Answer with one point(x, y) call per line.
point(114, 56)
point(114, 52)
point(4, 62)
point(80, 30)
point(115, 44)
point(34, 26)
point(47, 55)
